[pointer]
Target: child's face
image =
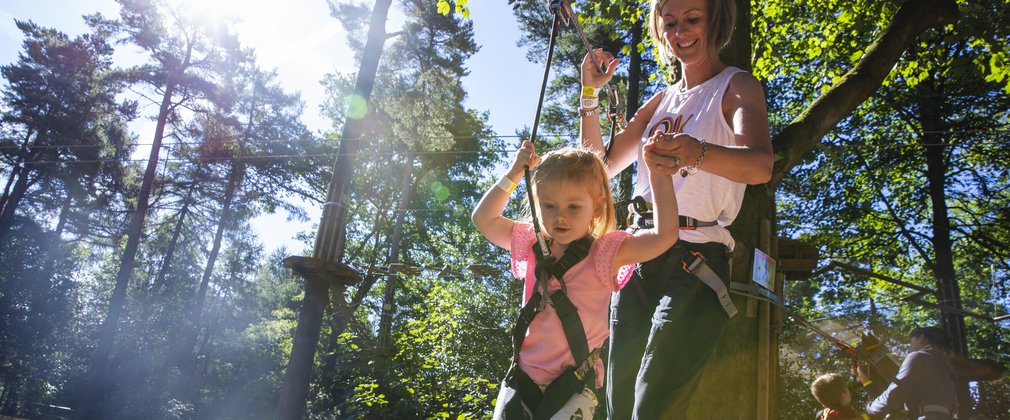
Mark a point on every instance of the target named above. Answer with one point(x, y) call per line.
point(566, 209)
point(846, 397)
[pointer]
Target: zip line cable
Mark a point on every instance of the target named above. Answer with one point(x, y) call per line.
point(317, 155)
point(555, 135)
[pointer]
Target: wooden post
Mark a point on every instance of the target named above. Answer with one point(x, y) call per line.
point(320, 276)
point(764, 373)
point(324, 269)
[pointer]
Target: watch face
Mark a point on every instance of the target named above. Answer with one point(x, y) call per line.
point(590, 102)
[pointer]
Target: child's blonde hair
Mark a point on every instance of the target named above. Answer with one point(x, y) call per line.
point(583, 167)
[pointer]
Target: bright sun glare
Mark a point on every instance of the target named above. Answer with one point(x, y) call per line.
point(218, 11)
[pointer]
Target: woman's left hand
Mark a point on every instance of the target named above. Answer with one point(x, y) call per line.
point(681, 148)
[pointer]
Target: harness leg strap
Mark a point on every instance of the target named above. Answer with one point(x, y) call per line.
point(558, 393)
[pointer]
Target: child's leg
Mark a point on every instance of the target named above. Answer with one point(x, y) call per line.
point(686, 326)
point(630, 320)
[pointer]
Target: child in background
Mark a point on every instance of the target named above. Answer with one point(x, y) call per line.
point(572, 192)
point(832, 391)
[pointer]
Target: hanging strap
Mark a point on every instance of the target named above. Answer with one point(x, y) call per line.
point(693, 262)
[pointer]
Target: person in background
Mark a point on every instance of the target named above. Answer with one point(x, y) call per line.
point(832, 391)
point(925, 382)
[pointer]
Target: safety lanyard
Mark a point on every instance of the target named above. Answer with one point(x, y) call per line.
point(562, 11)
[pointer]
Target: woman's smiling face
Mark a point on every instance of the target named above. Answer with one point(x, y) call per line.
point(685, 27)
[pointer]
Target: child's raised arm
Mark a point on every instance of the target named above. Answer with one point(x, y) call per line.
point(487, 217)
point(647, 244)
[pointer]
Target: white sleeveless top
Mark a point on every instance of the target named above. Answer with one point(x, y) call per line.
point(703, 196)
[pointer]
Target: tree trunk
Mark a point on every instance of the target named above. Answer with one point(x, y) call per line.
point(13, 201)
point(61, 223)
point(389, 299)
point(7, 188)
point(91, 402)
point(624, 181)
point(166, 262)
point(15, 171)
point(184, 355)
point(329, 246)
point(948, 290)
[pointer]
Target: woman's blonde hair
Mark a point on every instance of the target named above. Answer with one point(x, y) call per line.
point(578, 165)
point(721, 21)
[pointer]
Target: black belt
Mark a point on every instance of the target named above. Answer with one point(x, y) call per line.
point(642, 211)
point(644, 221)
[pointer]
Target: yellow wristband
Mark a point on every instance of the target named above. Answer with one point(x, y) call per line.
point(506, 185)
point(868, 382)
point(590, 91)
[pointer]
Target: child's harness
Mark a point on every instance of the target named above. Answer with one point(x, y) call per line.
point(543, 404)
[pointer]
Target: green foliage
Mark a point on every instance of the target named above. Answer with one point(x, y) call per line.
point(60, 120)
point(450, 353)
point(458, 6)
point(869, 194)
point(36, 286)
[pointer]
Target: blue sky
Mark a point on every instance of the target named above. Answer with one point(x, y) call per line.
point(303, 43)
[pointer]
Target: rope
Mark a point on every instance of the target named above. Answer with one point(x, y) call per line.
point(616, 117)
point(555, 28)
point(562, 11)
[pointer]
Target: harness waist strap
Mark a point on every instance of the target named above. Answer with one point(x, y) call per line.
point(645, 221)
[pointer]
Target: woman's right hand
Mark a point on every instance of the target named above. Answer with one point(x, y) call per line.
point(591, 75)
point(526, 156)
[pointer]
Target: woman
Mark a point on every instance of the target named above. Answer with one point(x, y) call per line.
point(665, 325)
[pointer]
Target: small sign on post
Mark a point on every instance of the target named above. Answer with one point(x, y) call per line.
point(764, 269)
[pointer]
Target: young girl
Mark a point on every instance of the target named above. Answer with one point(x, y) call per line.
point(574, 202)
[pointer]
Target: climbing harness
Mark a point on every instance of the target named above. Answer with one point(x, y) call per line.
point(692, 262)
point(528, 397)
